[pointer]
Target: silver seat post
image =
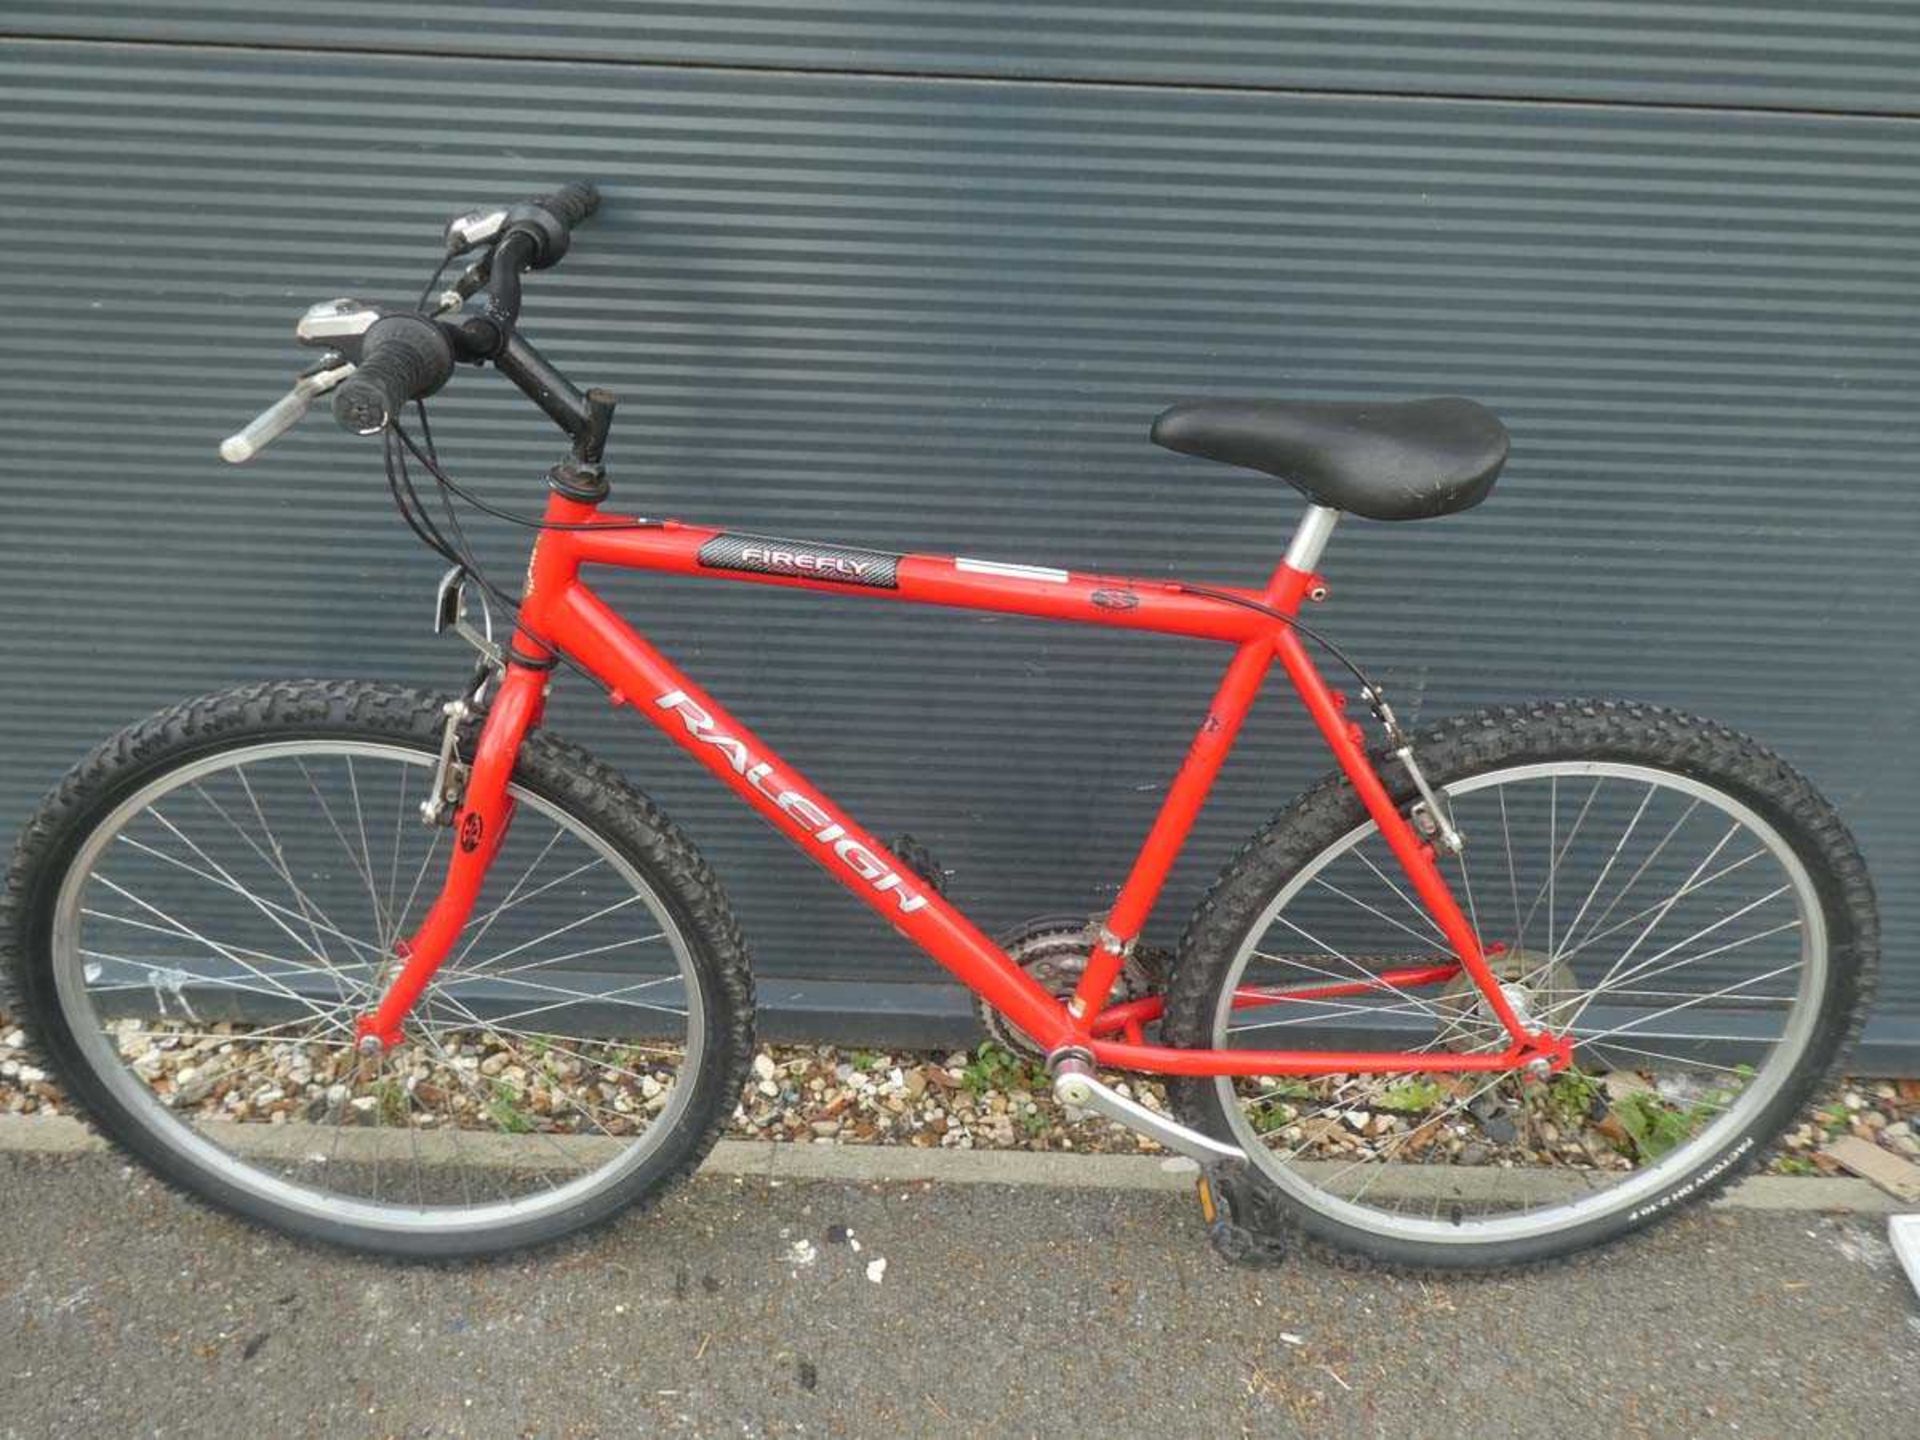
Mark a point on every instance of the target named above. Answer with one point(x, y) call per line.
point(1316, 526)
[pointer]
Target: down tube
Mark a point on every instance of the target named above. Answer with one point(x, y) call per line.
point(585, 627)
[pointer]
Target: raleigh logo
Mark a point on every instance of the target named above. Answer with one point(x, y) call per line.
point(759, 774)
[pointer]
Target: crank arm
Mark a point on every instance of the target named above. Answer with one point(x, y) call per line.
point(1074, 1083)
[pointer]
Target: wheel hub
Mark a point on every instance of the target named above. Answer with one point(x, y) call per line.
point(1536, 986)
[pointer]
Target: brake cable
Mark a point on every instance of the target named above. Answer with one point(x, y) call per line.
point(460, 552)
point(1399, 743)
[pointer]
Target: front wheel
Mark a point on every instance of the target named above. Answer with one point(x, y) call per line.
point(1669, 893)
point(198, 914)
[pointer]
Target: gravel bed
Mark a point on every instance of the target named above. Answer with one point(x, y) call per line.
point(988, 1098)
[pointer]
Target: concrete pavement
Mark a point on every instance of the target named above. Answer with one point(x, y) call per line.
point(1001, 1310)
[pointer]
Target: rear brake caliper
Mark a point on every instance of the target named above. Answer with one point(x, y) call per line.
point(1428, 815)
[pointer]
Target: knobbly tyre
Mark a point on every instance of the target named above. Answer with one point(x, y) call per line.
point(404, 971)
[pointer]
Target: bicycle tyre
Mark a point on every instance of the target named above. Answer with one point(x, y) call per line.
point(1602, 738)
point(564, 780)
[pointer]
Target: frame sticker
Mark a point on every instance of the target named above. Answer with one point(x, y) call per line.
point(1008, 571)
point(802, 559)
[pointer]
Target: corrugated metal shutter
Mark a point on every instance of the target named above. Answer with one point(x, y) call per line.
point(909, 310)
point(1859, 56)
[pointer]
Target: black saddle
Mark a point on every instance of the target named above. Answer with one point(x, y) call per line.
point(1402, 461)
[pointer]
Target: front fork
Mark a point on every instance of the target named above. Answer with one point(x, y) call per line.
point(478, 827)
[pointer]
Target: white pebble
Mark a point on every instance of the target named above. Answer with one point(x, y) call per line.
point(877, 1269)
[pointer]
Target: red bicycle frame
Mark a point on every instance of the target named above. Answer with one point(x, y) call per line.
point(560, 612)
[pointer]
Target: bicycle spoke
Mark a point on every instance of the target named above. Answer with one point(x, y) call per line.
point(222, 951)
point(1615, 973)
point(1411, 903)
point(486, 922)
point(1513, 873)
point(1607, 869)
point(583, 954)
point(1360, 972)
point(1615, 989)
point(1593, 930)
point(1375, 910)
point(227, 885)
point(275, 862)
point(381, 923)
point(240, 889)
point(558, 930)
point(1323, 1011)
point(1723, 992)
point(137, 924)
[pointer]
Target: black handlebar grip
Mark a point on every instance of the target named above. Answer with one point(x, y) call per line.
point(570, 204)
point(548, 220)
point(402, 358)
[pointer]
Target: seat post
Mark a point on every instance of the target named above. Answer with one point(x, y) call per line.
point(1316, 527)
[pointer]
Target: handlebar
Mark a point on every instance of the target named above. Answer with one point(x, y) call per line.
point(377, 363)
point(407, 357)
point(553, 217)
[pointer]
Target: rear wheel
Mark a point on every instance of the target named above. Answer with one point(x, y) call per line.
point(1671, 894)
point(197, 916)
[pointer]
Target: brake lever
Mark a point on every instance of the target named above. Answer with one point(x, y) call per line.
point(281, 416)
point(346, 320)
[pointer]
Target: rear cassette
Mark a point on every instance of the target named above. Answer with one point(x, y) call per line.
point(1053, 950)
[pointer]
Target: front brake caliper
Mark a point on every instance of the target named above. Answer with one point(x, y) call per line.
point(449, 773)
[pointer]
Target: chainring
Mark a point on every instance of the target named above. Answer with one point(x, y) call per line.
point(1053, 950)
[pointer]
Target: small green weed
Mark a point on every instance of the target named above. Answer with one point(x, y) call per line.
point(392, 1098)
point(1571, 1099)
point(1267, 1116)
point(994, 1067)
point(1410, 1097)
point(504, 1108)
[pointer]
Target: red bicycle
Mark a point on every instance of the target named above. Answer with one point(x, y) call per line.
point(411, 974)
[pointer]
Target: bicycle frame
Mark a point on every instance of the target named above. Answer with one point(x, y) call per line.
point(559, 611)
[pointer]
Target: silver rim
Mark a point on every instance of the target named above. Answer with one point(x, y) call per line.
point(1667, 925)
point(217, 934)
